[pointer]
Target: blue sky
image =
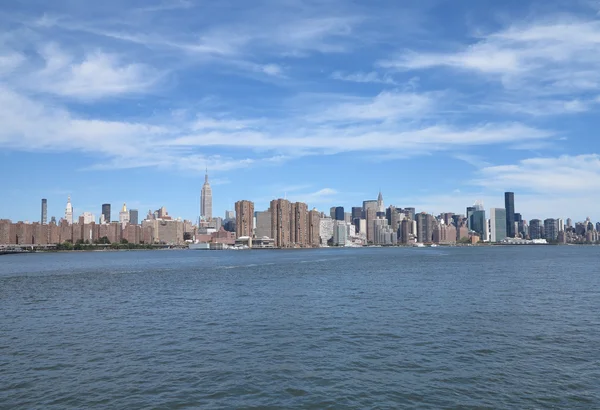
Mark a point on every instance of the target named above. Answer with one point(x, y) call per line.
point(436, 103)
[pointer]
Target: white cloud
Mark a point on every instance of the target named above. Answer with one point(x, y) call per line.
point(360, 77)
point(562, 175)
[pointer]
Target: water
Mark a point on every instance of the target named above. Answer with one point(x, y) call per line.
point(508, 327)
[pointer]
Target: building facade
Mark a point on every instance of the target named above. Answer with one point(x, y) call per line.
point(244, 218)
point(497, 224)
point(509, 205)
point(206, 199)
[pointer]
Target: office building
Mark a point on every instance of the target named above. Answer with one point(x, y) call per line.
point(106, 213)
point(263, 224)
point(340, 233)
point(326, 230)
point(134, 217)
point(410, 213)
point(371, 204)
point(44, 218)
point(535, 229)
point(380, 205)
point(371, 216)
point(87, 218)
point(244, 218)
point(470, 211)
point(206, 200)
point(478, 223)
point(550, 229)
point(229, 215)
point(69, 212)
point(356, 212)
point(339, 213)
point(509, 205)
point(124, 215)
point(497, 224)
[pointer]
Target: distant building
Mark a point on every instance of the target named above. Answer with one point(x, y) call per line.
point(478, 223)
point(425, 223)
point(380, 205)
point(339, 213)
point(371, 215)
point(314, 228)
point(280, 222)
point(87, 218)
point(550, 229)
point(370, 204)
point(229, 215)
point(134, 217)
point(356, 212)
point(124, 215)
point(410, 213)
point(44, 218)
point(339, 233)
point(326, 230)
point(69, 212)
point(299, 224)
point(244, 217)
point(206, 199)
point(497, 224)
point(509, 205)
point(106, 213)
point(263, 224)
point(535, 229)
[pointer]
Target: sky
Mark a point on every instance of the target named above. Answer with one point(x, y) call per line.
point(436, 103)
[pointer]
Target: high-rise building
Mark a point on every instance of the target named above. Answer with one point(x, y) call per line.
point(405, 231)
point(478, 223)
point(551, 229)
point(206, 199)
point(44, 219)
point(124, 215)
point(106, 213)
point(339, 213)
point(134, 218)
point(535, 229)
point(410, 213)
point(371, 204)
point(509, 205)
point(371, 216)
point(380, 205)
point(299, 224)
point(280, 222)
point(356, 212)
point(244, 217)
point(470, 211)
point(497, 224)
point(229, 215)
point(263, 224)
point(425, 223)
point(87, 218)
point(314, 226)
point(69, 212)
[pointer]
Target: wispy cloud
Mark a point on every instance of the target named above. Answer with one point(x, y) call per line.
point(360, 77)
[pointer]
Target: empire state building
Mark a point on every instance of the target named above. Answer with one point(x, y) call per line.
point(206, 200)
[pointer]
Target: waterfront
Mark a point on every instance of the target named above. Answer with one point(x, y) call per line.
point(496, 327)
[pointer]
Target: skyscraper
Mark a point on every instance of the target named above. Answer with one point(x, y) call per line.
point(280, 222)
point(69, 211)
point(380, 205)
point(425, 224)
point(470, 211)
point(509, 205)
point(106, 213)
point(478, 223)
point(497, 224)
point(244, 217)
point(134, 217)
point(44, 219)
point(339, 213)
point(124, 215)
point(206, 199)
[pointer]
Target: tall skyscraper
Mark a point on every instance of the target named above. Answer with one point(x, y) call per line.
point(470, 211)
point(244, 218)
point(380, 205)
point(497, 224)
point(69, 211)
point(134, 217)
point(106, 213)
point(44, 219)
point(263, 224)
point(425, 223)
point(314, 223)
point(339, 213)
point(356, 212)
point(280, 222)
point(124, 215)
point(370, 204)
point(551, 229)
point(206, 199)
point(410, 213)
point(478, 223)
point(509, 205)
point(535, 229)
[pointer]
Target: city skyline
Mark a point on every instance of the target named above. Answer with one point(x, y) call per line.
point(318, 102)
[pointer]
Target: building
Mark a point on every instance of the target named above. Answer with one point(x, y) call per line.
point(206, 199)
point(478, 223)
point(425, 223)
point(134, 218)
point(229, 215)
point(325, 230)
point(380, 205)
point(370, 204)
point(44, 218)
point(244, 218)
point(497, 224)
point(69, 212)
point(299, 224)
point(509, 205)
point(551, 230)
point(535, 229)
point(314, 228)
point(280, 222)
point(357, 212)
point(88, 218)
point(124, 215)
point(340, 233)
point(444, 234)
point(338, 213)
point(263, 224)
point(470, 211)
point(371, 215)
point(410, 213)
point(106, 213)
